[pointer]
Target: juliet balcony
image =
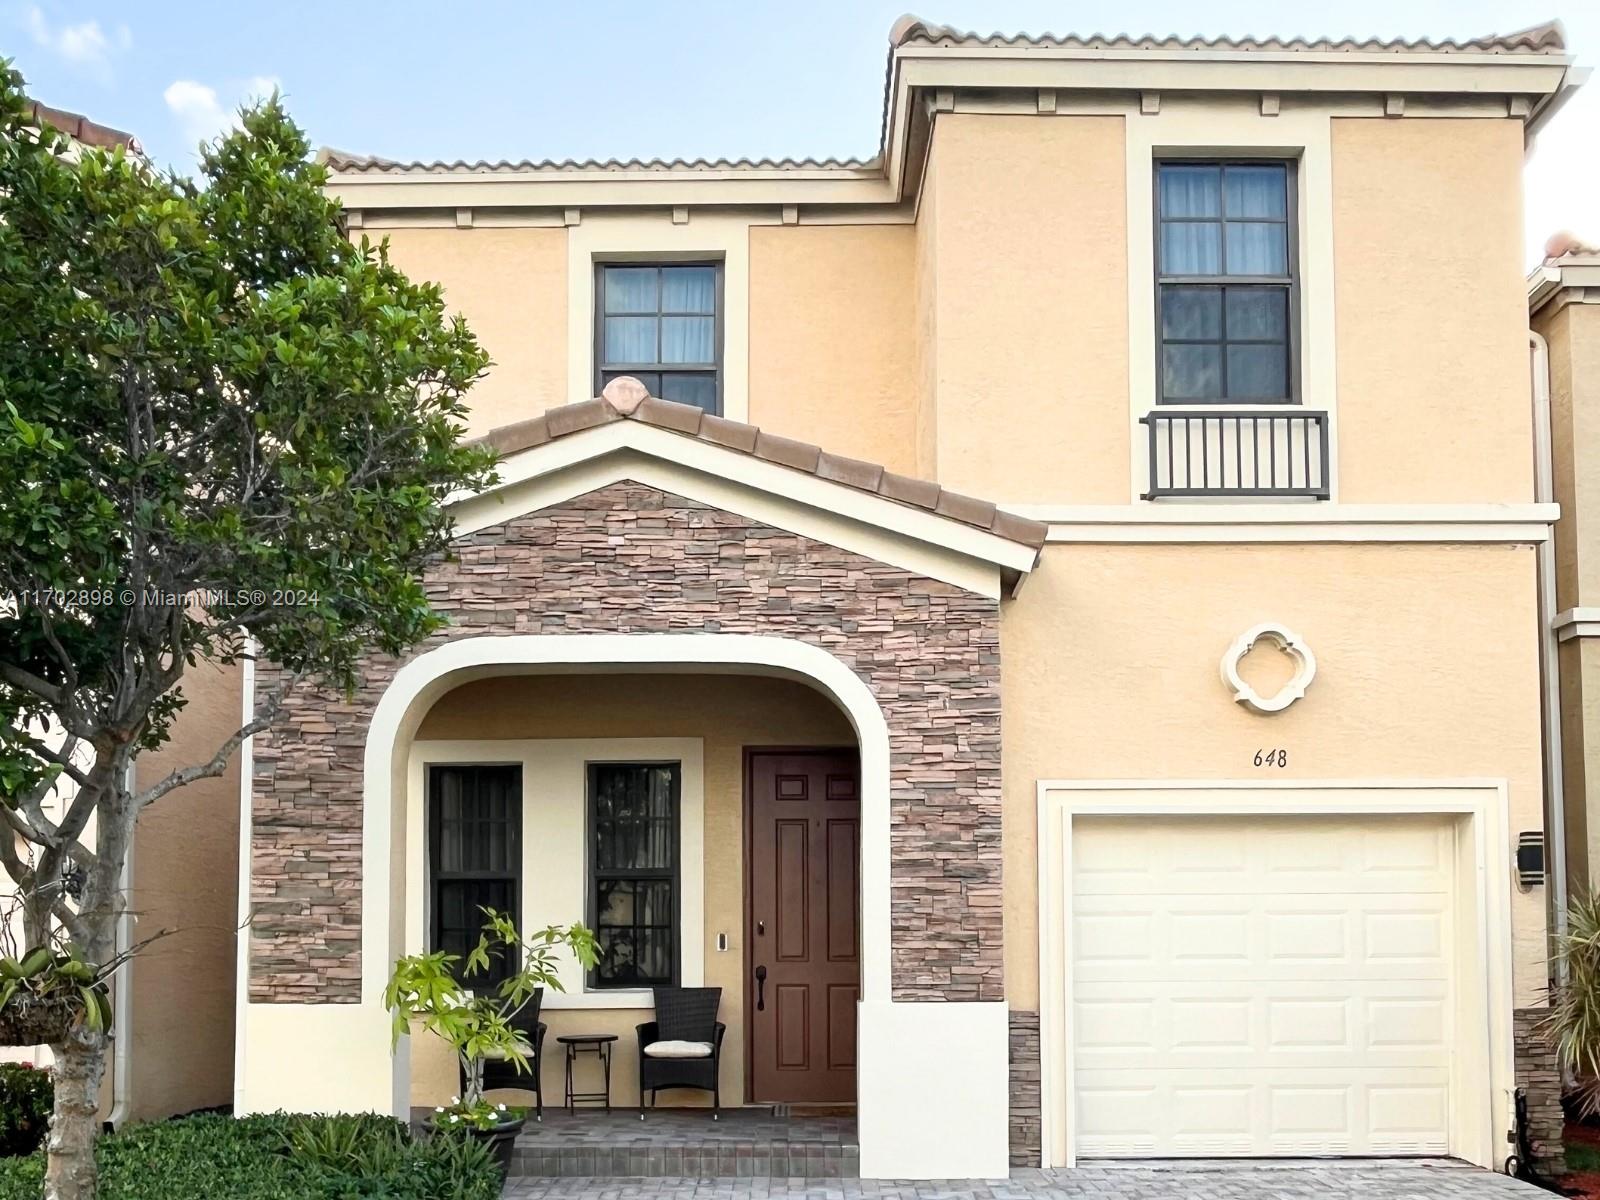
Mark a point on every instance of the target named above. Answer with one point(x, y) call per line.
point(1280, 453)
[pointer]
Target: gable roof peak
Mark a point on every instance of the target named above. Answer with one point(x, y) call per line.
point(627, 399)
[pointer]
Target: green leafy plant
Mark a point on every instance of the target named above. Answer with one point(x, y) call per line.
point(225, 429)
point(474, 1114)
point(46, 976)
point(26, 1095)
point(1573, 1024)
point(425, 989)
point(345, 1142)
point(278, 1156)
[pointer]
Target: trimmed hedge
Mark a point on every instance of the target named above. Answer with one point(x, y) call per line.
point(250, 1158)
point(26, 1098)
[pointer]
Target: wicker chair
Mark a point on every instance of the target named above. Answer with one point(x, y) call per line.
point(683, 1015)
point(503, 1073)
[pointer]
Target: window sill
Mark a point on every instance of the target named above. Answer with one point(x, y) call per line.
point(619, 998)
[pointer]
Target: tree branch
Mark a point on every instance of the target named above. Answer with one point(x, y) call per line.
point(218, 762)
point(27, 681)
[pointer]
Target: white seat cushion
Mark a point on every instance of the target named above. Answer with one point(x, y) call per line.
point(678, 1050)
point(522, 1048)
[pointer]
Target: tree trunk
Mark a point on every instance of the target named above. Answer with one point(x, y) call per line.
point(81, 1058)
point(473, 1091)
point(70, 1167)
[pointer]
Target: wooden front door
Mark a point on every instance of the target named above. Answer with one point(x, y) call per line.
point(804, 934)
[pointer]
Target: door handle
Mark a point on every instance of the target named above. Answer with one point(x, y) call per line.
point(761, 989)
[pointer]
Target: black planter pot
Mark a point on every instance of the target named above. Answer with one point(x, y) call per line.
point(501, 1140)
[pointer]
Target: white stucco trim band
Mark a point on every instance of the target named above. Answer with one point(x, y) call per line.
point(1311, 522)
point(1574, 279)
point(1484, 1075)
point(1576, 623)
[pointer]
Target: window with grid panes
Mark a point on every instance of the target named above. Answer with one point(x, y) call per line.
point(661, 324)
point(1225, 281)
point(475, 857)
point(633, 872)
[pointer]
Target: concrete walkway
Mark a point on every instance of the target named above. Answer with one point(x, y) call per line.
point(1189, 1181)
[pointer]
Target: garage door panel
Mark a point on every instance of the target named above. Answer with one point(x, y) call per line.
point(1288, 1112)
point(1393, 936)
point(1248, 986)
point(1323, 855)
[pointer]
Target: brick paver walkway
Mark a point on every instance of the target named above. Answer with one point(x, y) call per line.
point(1311, 1181)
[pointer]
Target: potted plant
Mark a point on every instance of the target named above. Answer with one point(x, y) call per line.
point(477, 1024)
point(50, 989)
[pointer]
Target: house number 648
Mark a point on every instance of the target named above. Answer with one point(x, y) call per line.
point(1272, 758)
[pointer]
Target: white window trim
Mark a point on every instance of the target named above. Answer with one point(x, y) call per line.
point(1223, 128)
point(653, 237)
point(555, 883)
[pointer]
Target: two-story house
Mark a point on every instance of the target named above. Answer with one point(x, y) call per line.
point(1046, 618)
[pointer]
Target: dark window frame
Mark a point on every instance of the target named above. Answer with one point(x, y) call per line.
point(1290, 282)
point(673, 874)
point(437, 877)
point(602, 368)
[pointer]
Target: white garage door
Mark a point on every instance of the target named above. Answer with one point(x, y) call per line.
point(1261, 985)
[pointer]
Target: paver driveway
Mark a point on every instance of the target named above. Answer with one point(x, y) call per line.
point(1279, 1181)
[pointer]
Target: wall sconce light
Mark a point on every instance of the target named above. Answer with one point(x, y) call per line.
point(1530, 860)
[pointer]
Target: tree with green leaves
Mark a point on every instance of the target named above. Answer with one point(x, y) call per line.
point(224, 429)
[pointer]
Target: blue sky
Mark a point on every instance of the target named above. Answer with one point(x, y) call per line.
point(712, 77)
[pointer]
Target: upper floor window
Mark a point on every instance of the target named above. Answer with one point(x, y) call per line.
point(661, 323)
point(1225, 281)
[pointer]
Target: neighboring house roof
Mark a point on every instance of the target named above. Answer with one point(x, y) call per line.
point(621, 402)
point(1570, 271)
point(81, 129)
point(913, 36)
point(1548, 38)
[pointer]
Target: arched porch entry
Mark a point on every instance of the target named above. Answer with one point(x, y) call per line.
point(391, 913)
point(630, 540)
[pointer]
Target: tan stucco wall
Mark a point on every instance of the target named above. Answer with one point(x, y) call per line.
point(185, 879)
point(1430, 308)
point(1580, 754)
point(511, 285)
point(1426, 669)
point(1572, 332)
point(1029, 357)
point(729, 713)
point(831, 338)
point(926, 360)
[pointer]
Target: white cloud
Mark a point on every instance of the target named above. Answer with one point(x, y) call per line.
point(84, 45)
point(200, 111)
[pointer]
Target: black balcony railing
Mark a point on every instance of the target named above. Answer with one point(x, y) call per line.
point(1207, 452)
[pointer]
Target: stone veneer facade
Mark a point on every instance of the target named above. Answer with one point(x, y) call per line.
point(1538, 1074)
point(1026, 1095)
point(631, 559)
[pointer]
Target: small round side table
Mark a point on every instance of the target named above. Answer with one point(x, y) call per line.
point(598, 1044)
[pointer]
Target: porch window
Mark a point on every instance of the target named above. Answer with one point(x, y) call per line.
point(475, 856)
point(662, 324)
point(1225, 281)
point(633, 870)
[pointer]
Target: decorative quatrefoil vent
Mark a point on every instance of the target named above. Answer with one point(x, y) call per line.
point(1285, 640)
